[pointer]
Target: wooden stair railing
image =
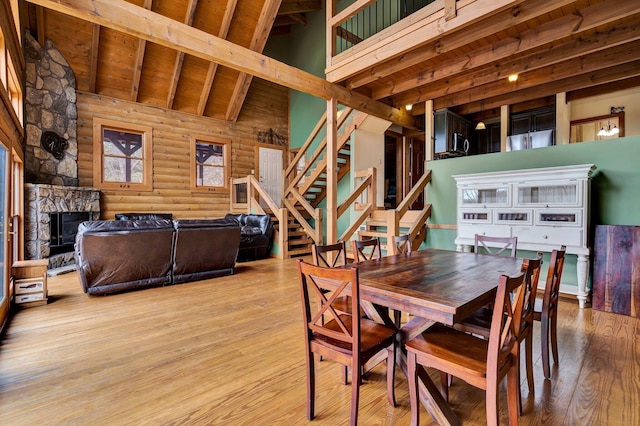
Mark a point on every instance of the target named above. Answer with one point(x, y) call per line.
point(367, 186)
point(384, 224)
point(246, 194)
point(302, 197)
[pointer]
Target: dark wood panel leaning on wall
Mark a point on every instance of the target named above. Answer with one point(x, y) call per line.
point(266, 106)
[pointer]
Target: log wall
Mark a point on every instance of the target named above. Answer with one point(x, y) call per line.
point(266, 107)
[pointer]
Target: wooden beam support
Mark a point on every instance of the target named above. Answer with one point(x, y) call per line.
point(177, 67)
point(296, 7)
point(575, 82)
point(434, 41)
point(332, 171)
point(40, 25)
point(213, 67)
point(484, 59)
point(609, 58)
point(139, 22)
point(258, 41)
point(137, 69)
point(93, 66)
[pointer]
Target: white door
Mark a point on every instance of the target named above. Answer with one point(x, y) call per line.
point(271, 173)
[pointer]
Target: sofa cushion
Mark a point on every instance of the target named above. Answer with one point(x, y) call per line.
point(250, 231)
point(143, 216)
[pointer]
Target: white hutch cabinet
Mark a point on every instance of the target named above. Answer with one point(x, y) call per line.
point(545, 208)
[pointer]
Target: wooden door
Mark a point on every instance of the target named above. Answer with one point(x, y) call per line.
point(416, 168)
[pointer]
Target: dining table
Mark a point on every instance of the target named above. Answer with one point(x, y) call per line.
point(431, 285)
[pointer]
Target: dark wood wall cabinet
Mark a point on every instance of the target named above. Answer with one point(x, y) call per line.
point(446, 125)
point(533, 120)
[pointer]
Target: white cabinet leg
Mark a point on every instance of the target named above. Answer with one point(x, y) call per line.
point(582, 267)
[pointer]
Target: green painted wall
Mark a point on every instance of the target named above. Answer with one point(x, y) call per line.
point(615, 188)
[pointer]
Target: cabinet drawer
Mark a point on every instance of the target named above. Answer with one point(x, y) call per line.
point(558, 217)
point(31, 297)
point(29, 285)
point(513, 217)
point(479, 215)
point(469, 231)
point(549, 235)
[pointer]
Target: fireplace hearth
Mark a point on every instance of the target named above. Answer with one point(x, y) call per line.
point(52, 216)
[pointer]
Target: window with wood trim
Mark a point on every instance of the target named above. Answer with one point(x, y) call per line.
point(210, 164)
point(125, 155)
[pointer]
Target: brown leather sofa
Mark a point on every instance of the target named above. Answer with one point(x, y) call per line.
point(114, 256)
point(256, 235)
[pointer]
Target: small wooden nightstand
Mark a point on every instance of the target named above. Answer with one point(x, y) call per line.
point(30, 282)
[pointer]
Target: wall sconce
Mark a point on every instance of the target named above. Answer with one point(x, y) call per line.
point(609, 131)
point(481, 126)
point(512, 78)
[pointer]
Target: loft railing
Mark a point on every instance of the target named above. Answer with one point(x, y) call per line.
point(371, 18)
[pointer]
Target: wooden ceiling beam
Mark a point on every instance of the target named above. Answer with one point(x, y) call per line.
point(435, 42)
point(139, 22)
point(137, 69)
point(558, 29)
point(258, 41)
point(576, 82)
point(213, 66)
point(177, 67)
point(536, 60)
point(609, 58)
point(93, 61)
point(295, 7)
point(603, 89)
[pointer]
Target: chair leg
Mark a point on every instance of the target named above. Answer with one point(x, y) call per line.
point(391, 375)
point(413, 388)
point(528, 344)
point(493, 409)
point(356, 378)
point(445, 381)
point(544, 335)
point(518, 390)
point(554, 336)
point(512, 396)
point(311, 386)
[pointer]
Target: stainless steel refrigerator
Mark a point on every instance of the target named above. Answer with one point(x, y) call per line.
point(530, 140)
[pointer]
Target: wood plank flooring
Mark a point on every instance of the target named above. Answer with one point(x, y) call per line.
point(229, 351)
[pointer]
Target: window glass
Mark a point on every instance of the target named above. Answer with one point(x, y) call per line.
point(210, 164)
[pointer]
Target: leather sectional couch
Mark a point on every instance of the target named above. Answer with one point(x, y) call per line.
point(113, 256)
point(256, 235)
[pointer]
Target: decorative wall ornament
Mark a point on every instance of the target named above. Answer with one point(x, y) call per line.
point(54, 144)
point(272, 138)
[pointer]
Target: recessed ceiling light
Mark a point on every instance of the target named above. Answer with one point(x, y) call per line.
point(512, 78)
point(408, 107)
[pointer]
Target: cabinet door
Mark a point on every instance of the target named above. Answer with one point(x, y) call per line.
point(440, 143)
point(544, 120)
point(548, 194)
point(520, 124)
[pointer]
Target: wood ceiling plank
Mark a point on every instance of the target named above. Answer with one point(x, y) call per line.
point(93, 67)
point(575, 82)
point(566, 26)
point(213, 66)
point(491, 72)
point(294, 7)
point(142, 23)
point(609, 58)
point(177, 69)
point(434, 42)
point(258, 41)
point(137, 69)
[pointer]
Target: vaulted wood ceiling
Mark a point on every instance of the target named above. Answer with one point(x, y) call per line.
point(577, 46)
point(114, 64)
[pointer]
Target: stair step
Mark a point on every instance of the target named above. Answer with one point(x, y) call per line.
point(300, 252)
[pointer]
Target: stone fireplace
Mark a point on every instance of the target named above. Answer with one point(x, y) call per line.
point(53, 199)
point(40, 201)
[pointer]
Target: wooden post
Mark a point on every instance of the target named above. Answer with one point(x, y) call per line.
point(504, 127)
point(428, 130)
point(332, 171)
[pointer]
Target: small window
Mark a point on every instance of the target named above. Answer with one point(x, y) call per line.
point(124, 161)
point(210, 164)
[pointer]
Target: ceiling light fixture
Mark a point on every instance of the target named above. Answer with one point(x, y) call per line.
point(408, 107)
point(481, 126)
point(513, 78)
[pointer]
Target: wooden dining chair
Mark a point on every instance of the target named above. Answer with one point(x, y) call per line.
point(495, 246)
point(347, 339)
point(329, 255)
point(402, 244)
point(546, 309)
point(366, 249)
point(370, 250)
point(479, 322)
point(480, 362)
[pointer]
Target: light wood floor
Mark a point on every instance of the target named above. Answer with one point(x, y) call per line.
point(229, 351)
